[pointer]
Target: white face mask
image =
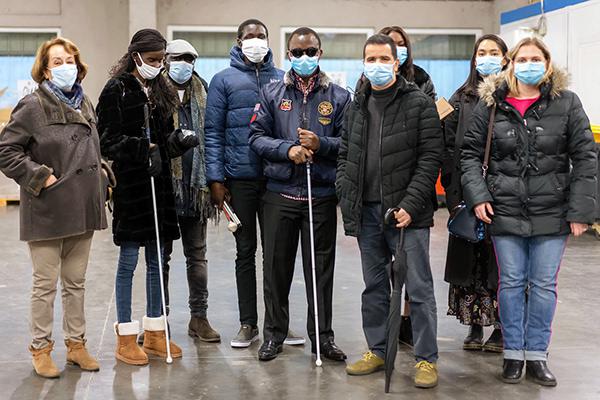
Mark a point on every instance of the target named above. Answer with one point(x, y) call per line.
point(255, 49)
point(148, 72)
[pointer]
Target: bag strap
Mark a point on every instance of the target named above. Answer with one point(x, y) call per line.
point(488, 142)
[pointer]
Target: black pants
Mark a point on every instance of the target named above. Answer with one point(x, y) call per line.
point(285, 222)
point(193, 238)
point(246, 200)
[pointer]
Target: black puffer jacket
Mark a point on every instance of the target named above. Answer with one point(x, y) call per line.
point(424, 82)
point(411, 151)
point(455, 127)
point(530, 182)
point(122, 138)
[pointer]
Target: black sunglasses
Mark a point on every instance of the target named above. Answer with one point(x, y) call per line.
point(311, 52)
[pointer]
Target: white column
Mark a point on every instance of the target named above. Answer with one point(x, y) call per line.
point(142, 14)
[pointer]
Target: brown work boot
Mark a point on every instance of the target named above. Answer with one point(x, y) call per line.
point(155, 338)
point(78, 355)
point(200, 328)
point(128, 350)
point(42, 362)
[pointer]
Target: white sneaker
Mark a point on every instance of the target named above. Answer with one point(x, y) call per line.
point(245, 337)
point(294, 340)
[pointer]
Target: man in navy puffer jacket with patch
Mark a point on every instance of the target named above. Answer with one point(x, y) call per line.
point(298, 120)
point(233, 170)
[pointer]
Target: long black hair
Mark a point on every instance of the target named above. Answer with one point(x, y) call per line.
point(162, 94)
point(474, 78)
point(407, 70)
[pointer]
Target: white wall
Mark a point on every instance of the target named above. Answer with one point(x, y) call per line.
point(574, 40)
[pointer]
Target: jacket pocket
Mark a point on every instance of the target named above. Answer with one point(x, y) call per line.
point(277, 171)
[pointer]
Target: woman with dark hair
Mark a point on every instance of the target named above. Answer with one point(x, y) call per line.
point(471, 268)
point(136, 89)
point(408, 70)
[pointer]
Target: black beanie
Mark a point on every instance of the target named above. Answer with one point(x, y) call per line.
point(146, 40)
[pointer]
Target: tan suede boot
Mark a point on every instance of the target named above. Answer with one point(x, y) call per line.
point(155, 338)
point(128, 350)
point(78, 355)
point(42, 362)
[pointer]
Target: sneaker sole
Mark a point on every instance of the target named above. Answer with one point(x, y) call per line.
point(208, 340)
point(472, 347)
point(369, 372)
point(294, 342)
point(243, 345)
point(426, 385)
point(511, 381)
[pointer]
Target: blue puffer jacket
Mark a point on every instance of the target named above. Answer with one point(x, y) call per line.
point(232, 95)
point(274, 131)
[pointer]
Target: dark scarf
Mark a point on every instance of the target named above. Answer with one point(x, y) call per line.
point(73, 99)
point(198, 192)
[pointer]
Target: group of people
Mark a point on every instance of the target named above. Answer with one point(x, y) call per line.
point(246, 139)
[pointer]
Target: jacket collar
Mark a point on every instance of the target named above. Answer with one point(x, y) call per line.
point(494, 88)
point(57, 112)
point(402, 86)
point(323, 81)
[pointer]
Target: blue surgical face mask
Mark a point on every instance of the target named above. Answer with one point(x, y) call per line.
point(64, 76)
point(530, 73)
point(402, 54)
point(181, 71)
point(305, 65)
point(379, 74)
point(488, 65)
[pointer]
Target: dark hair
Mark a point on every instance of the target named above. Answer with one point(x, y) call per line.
point(474, 78)
point(407, 69)
point(251, 21)
point(381, 39)
point(162, 94)
point(304, 31)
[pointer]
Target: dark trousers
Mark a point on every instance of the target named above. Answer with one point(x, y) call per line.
point(286, 221)
point(246, 200)
point(193, 238)
point(377, 247)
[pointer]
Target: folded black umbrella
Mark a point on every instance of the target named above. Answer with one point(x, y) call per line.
point(399, 267)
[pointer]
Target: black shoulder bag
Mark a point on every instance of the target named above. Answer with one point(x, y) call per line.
point(463, 223)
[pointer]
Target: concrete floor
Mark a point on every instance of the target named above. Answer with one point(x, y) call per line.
point(216, 371)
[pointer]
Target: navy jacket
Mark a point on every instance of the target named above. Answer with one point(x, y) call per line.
point(232, 95)
point(274, 131)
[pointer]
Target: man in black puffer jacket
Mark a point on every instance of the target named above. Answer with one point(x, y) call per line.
point(390, 157)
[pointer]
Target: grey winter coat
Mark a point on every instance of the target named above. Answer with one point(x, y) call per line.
point(45, 136)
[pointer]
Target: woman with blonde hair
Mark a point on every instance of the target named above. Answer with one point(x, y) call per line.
point(51, 148)
point(540, 187)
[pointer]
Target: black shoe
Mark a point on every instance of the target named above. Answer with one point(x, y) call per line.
point(406, 335)
point(474, 340)
point(330, 350)
point(269, 350)
point(512, 370)
point(495, 342)
point(538, 372)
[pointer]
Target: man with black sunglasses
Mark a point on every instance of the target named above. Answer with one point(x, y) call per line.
point(297, 121)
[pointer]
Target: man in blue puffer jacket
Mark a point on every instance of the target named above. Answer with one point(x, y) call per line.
point(299, 120)
point(233, 170)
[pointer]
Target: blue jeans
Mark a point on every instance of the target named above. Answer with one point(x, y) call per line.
point(128, 258)
point(377, 247)
point(528, 264)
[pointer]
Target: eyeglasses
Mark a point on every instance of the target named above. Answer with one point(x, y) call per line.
point(311, 52)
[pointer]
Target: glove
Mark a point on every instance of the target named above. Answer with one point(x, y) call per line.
point(155, 166)
point(187, 138)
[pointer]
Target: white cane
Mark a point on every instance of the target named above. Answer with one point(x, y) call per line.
point(158, 249)
point(318, 363)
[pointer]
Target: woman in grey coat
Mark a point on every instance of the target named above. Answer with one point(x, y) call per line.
point(50, 147)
